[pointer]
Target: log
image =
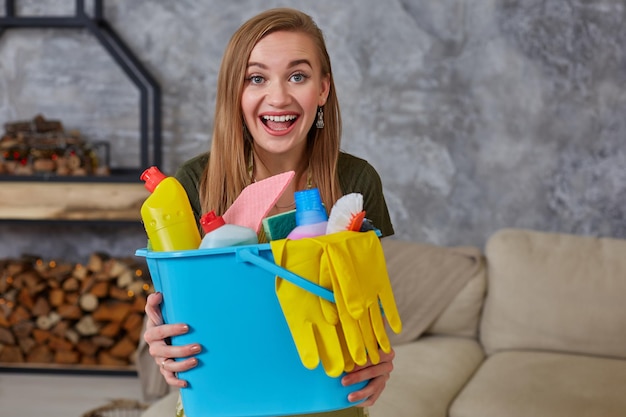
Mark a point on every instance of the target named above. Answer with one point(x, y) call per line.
point(112, 311)
point(123, 349)
point(88, 302)
point(41, 336)
point(41, 307)
point(56, 297)
point(103, 341)
point(66, 357)
point(12, 354)
point(60, 328)
point(6, 337)
point(87, 347)
point(68, 311)
point(97, 261)
point(87, 326)
point(87, 284)
point(118, 293)
point(46, 322)
point(57, 343)
point(107, 359)
point(125, 279)
point(80, 272)
point(88, 360)
point(4, 319)
point(72, 298)
point(139, 303)
point(25, 298)
point(27, 344)
point(40, 354)
point(111, 329)
point(133, 323)
point(19, 314)
point(23, 329)
point(70, 284)
point(100, 289)
point(115, 268)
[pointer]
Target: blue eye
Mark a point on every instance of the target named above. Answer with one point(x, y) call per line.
point(299, 77)
point(256, 79)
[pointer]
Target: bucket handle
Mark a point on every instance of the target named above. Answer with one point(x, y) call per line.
point(251, 255)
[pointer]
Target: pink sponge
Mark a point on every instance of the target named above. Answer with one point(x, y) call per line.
point(256, 200)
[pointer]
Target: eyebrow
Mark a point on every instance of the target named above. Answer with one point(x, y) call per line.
point(292, 64)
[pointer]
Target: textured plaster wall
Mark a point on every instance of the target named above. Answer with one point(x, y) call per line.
point(478, 115)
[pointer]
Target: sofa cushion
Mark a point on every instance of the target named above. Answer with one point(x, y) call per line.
point(542, 384)
point(425, 279)
point(427, 375)
point(461, 316)
point(557, 292)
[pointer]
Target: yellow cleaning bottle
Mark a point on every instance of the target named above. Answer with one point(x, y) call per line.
point(167, 215)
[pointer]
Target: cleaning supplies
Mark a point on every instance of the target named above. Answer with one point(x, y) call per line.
point(362, 290)
point(220, 234)
point(352, 265)
point(167, 215)
point(279, 225)
point(256, 200)
point(311, 217)
point(347, 214)
point(316, 333)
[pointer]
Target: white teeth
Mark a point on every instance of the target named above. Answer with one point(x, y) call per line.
point(287, 118)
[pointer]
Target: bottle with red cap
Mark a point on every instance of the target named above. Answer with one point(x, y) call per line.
point(219, 234)
point(167, 214)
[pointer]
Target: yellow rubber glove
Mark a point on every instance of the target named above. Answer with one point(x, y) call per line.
point(362, 291)
point(315, 329)
point(357, 342)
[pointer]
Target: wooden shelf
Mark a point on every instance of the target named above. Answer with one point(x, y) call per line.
point(65, 368)
point(73, 201)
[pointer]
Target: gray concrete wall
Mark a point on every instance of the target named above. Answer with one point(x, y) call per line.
point(478, 115)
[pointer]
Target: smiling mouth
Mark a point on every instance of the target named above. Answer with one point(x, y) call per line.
point(279, 123)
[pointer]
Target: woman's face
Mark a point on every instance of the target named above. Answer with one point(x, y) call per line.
point(283, 88)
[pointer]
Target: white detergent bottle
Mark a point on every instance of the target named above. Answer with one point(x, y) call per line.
point(311, 216)
point(219, 234)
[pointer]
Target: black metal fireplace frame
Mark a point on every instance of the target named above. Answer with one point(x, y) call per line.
point(150, 91)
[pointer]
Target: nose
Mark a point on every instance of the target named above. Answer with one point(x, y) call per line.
point(278, 94)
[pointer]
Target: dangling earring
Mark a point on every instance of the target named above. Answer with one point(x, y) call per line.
point(320, 119)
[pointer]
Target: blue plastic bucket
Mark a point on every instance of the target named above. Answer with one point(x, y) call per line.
point(249, 365)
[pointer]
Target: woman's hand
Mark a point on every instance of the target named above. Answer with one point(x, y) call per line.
point(378, 376)
point(163, 353)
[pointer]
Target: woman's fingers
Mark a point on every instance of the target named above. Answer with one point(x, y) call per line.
point(378, 375)
point(162, 332)
point(161, 350)
point(170, 368)
point(153, 310)
point(164, 354)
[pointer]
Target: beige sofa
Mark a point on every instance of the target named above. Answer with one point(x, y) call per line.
point(538, 329)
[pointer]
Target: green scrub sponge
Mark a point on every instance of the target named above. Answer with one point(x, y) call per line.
point(278, 226)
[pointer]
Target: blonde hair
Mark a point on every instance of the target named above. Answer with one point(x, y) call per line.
point(227, 173)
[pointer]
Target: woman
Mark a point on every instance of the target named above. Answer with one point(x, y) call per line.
point(276, 111)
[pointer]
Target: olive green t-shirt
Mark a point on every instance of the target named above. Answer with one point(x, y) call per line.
point(356, 175)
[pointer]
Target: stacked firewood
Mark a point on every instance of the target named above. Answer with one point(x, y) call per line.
point(43, 146)
point(64, 313)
